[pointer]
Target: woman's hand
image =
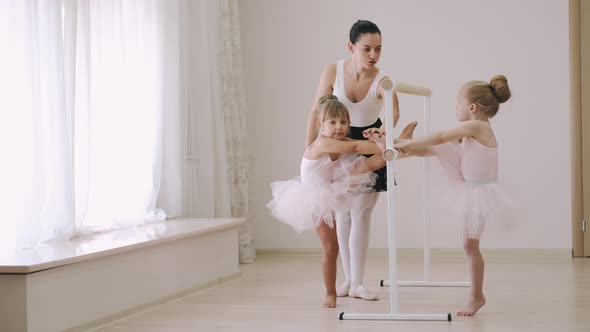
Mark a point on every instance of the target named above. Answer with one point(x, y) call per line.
point(371, 132)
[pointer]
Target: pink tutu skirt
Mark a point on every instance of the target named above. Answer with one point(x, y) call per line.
point(478, 207)
point(306, 204)
point(473, 205)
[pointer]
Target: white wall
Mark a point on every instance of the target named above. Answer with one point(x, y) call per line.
point(440, 44)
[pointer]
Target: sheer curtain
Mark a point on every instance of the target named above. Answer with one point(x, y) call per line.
point(84, 110)
point(216, 177)
point(118, 111)
point(115, 111)
point(36, 192)
point(206, 191)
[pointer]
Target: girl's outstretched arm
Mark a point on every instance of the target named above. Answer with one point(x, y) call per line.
point(465, 129)
point(413, 151)
point(332, 145)
point(378, 136)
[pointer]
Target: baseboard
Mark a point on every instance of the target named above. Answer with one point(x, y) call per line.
point(289, 252)
point(411, 252)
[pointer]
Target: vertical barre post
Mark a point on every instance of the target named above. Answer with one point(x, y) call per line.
point(425, 194)
point(387, 86)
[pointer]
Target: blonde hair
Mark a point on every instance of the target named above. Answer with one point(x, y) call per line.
point(488, 96)
point(330, 108)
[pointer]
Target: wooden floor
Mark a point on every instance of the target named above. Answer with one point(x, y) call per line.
point(284, 293)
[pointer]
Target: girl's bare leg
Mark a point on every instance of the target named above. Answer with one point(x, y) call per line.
point(476, 269)
point(329, 242)
point(408, 131)
point(343, 227)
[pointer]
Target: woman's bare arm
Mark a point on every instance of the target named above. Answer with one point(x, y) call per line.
point(394, 103)
point(326, 86)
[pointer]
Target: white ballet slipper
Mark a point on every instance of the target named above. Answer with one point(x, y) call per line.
point(361, 292)
point(342, 291)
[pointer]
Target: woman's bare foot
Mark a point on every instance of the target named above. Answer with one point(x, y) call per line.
point(473, 306)
point(330, 301)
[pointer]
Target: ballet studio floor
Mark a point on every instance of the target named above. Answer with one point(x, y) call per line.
point(536, 291)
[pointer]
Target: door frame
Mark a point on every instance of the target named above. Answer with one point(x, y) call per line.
point(579, 14)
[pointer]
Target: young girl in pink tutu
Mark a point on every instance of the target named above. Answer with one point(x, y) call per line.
point(469, 156)
point(332, 173)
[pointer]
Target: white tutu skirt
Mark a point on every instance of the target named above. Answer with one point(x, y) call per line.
point(304, 205)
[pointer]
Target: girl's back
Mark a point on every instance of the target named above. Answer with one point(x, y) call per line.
point(479, 163)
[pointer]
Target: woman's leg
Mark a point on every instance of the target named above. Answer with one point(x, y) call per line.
point(359, 244)
point(329, 242)
point(354, 227)
point(476, 270)
point(343, 224)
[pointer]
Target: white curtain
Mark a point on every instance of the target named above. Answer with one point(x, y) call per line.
point(118, 112)
point(133, 108)
point(206, 192)
point(88, 101)
point(36, 181)
point(216, 178)
point(172, 33)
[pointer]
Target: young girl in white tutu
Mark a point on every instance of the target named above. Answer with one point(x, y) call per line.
point(469, 155)
point(332, 173)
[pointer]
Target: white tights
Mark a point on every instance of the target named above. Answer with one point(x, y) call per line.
point(353, 237)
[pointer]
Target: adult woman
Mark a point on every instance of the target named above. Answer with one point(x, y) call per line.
point(355, 81)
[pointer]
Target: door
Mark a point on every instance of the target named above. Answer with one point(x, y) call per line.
point(585, 108)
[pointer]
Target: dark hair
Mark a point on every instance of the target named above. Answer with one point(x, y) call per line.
point(360, 27)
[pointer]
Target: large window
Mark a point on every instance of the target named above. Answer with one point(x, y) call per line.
point(81, 112)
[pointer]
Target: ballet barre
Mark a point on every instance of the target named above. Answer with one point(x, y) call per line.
point(389, 154)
